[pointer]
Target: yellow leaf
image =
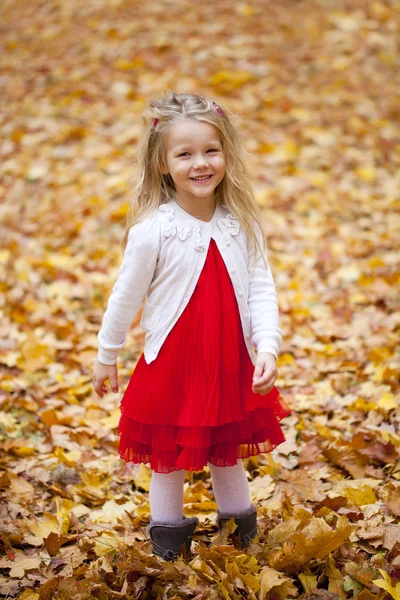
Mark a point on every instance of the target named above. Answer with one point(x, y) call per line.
point(262, 488)
point(308, 581)
point(301, 114)
point(112, 420)
point(125, 65)
point(63, 262)
point(335, 577)
point(23, 450)
point(382, 373)
point(34, 354)
point(81, 391)
point(271, 579)
point(324, 432)
point(4, 256)
point(47, 524)
point(71, 459)
point(21, 491)
point(386, 585)
point(28, 594)
point(20, 564)
point(376, 262)
point(49, 417)
point(377, 355)
point(388, 58)
point(143, 509)
point(121, 210)
point(17, 134)
point(365, 280)
point(290, 149)
point(318, 179)
point(286, 359)
point(11, 358)
point(280, 533)
point(231, 80)
point(97, 201)
point(362, 404)
point(107, 541)
point(192, 581)
point(316, 541)
point(110, 512)
point(263, 197)
point(387, 402)
point(265, 148)
point(245, 9)
point(64, 507)
point(142, 477)
point(95, 480)
point(227, 528)
point(360, 496)
point(358, 298)
point(206, 506)
point(367, 174)
point(341, 63)
point(8, 422)
point(325, 540)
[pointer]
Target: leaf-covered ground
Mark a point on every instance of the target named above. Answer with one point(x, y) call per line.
point(315, 85)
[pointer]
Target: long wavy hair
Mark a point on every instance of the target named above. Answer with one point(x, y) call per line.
point(153, 188)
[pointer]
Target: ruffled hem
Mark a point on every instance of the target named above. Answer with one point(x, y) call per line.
point(171, 447)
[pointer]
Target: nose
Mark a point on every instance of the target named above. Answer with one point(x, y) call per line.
point(200, 162)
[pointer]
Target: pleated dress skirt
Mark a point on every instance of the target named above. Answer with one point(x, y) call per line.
point(194, 403)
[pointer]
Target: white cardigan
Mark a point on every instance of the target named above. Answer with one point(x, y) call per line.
point(163, 259)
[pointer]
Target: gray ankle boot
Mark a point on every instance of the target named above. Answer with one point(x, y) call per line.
point(167, 538)
point(246, 529)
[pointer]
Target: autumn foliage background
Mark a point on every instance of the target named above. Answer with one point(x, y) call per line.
point(315, 87)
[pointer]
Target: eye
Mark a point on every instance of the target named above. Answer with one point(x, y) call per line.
point(183, 154)
point(212, 150)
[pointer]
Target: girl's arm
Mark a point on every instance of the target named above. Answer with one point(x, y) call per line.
point(134, 278)
point(263, 304)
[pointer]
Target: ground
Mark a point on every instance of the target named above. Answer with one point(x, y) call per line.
point(314, 90)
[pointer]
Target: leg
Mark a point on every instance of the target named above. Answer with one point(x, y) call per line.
point(170, 531)
point(232, 493)
point(231, 488)
point(166, 496)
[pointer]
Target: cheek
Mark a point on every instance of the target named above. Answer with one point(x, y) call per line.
point(219, 159)
point(220, 164)
point(180, 169)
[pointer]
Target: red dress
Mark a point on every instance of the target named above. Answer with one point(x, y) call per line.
point(194, 403)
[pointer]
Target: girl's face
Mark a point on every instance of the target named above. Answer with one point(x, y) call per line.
point(194, 150)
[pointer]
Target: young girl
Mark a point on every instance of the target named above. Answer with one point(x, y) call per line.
point(202, 393)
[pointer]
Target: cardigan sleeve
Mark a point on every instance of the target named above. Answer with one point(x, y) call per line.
point(263, 304)
point(134, 278)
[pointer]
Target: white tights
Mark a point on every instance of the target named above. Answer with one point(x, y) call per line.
point(230, 486)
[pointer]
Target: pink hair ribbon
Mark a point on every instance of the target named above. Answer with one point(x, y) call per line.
point(218, 109)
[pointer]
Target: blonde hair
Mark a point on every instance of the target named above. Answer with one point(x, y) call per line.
point(152, 188)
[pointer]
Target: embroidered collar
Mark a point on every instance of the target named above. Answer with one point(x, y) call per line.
point(228, 224)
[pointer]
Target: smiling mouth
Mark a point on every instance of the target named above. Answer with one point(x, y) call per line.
point(202, 178)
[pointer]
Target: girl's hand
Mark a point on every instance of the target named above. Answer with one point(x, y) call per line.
point(265, 373)
point(100, 374)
